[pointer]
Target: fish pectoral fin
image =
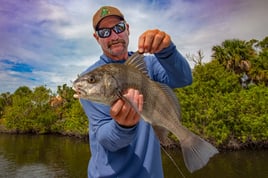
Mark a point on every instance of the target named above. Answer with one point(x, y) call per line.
point(119, 93)
point(134, 106)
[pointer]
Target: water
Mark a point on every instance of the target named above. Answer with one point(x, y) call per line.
point(48, 156)
point(44, 156)
point(239, 164)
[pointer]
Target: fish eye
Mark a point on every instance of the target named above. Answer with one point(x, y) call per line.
point(91, 79)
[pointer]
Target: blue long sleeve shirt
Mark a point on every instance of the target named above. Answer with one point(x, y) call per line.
point(118, 152)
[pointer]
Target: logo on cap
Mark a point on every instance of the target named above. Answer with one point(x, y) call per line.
point(104, 12)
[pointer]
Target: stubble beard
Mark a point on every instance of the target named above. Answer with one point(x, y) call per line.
point(115, 52)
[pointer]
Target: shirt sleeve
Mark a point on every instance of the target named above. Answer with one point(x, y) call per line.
point(177, 70)
point(104, 130)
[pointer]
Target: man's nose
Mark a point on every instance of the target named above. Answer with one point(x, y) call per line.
point(113, 35)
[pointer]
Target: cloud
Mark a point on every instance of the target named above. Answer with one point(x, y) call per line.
point(48, 38)
point(50, 42)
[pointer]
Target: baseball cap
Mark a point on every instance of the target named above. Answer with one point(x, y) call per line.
point(103, 12)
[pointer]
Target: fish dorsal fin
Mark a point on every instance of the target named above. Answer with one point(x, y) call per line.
point(136, 61)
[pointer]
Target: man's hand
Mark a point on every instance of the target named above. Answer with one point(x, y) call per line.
point(123, 113)
point(153, 41)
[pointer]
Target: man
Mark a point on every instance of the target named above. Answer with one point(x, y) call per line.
point(122, 144)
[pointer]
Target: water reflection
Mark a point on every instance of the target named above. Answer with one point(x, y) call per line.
point(42, 156)
point(240, 164)
point(48, 156)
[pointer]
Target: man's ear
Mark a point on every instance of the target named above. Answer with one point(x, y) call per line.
point(96, 36)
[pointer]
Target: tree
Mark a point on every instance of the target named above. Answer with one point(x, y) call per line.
point(234, 55)
point(30, 111)
point(23, 91)
point(217, 107)
point(197, 59)
point(72, 119)
point(5, 100)
point(17, 115)
point(259, 71)
point(248, 58)
point(43, 116)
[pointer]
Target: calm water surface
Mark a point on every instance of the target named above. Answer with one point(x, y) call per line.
point(48, 156)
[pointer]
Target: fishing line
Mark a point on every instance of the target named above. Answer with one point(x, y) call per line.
point(172, 160)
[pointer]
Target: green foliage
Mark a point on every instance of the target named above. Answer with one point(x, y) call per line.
point(244, 57)
point(76, 121)
point(221, 117)
point(17, 115)
point(30, 111)
point(72, 119)
point(217, 107)
point(5, 100)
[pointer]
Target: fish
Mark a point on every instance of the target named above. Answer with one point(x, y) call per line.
point(107, 83)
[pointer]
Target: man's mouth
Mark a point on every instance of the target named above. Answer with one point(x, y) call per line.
point(116, 42)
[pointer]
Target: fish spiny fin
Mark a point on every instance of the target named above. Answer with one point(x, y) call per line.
point(136, 61)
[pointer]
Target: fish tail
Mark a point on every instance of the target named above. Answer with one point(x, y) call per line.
point(196, 152)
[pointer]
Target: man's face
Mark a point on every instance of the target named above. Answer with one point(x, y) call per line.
point(114, 46)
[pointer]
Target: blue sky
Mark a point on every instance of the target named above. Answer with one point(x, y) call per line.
point(49, 42)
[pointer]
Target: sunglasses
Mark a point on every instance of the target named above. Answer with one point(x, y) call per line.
point(106, 32)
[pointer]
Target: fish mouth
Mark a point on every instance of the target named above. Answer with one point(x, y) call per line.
point(79, 92)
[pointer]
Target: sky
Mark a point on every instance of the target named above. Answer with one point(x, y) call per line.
point(49, 42)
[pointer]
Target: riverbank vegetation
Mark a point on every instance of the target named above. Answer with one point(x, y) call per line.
point(39, 111)
point(226, 104)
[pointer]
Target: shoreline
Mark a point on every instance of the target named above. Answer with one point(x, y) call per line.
point(231, 146)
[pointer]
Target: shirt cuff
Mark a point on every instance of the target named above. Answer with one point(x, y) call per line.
point(166, 52)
